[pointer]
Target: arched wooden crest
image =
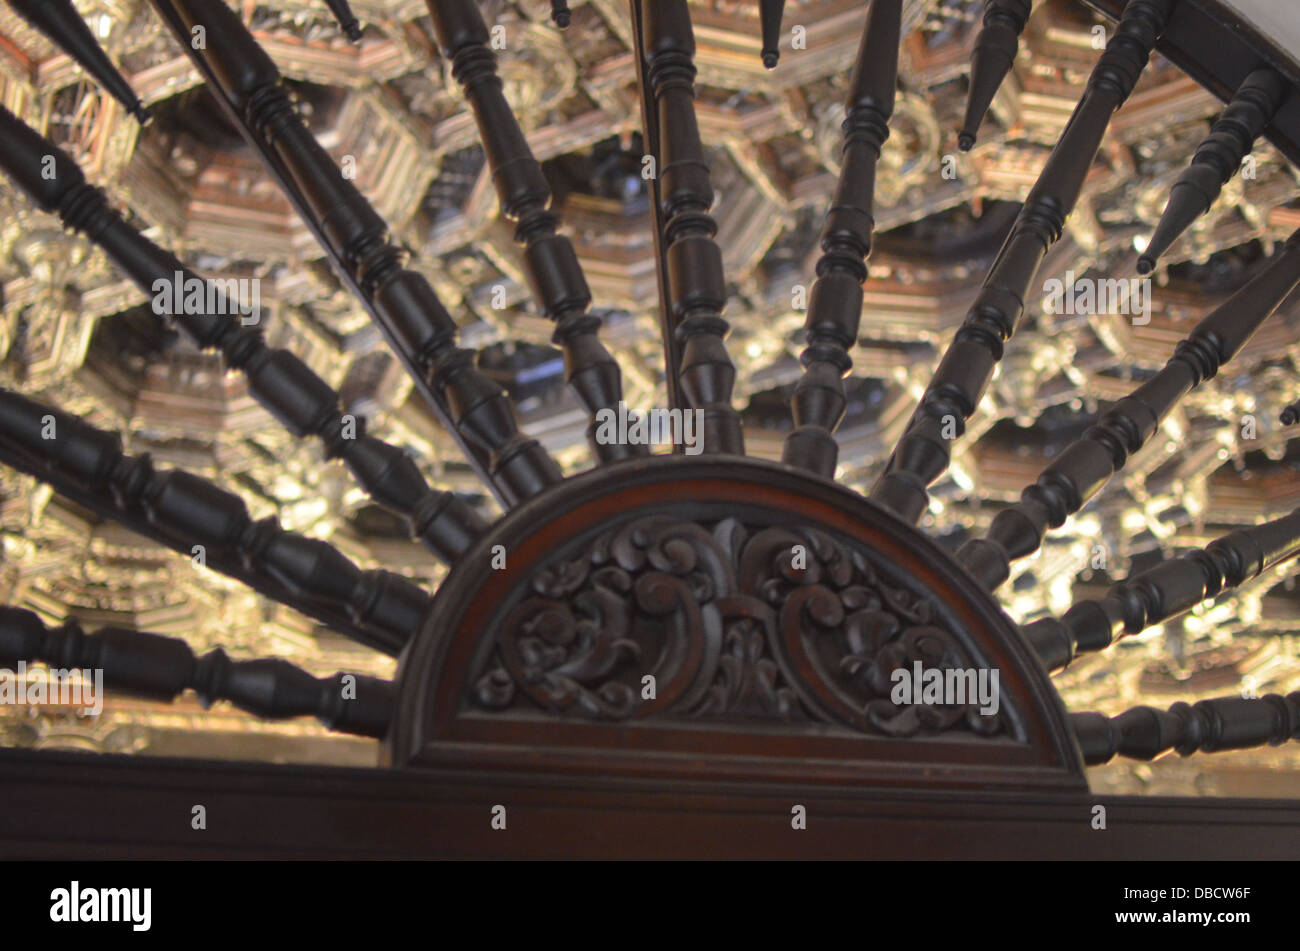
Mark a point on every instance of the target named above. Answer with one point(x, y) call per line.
point(672, 617)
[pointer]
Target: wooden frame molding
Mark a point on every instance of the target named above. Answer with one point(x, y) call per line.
point(70, 805)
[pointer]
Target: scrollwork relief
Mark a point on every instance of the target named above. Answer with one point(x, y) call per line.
point(724, 620)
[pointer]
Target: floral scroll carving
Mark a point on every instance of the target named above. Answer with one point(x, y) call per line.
point(724, 620)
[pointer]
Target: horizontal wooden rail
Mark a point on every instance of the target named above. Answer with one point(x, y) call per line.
point(68, 805)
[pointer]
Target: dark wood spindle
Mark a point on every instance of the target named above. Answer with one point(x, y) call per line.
point(769, 14)
point(475, 455)
point(162, 668)
point(304, 403)
point(1217, 159)
point(1169, 589)
point(62, 25)
point(180, 510)
point(696, 286)
point(556, 277)
point(278, 380)
point(650, 126)
point(1223, 723)
point(348, 21)
point(560, 14)
point(994, 55)
point(835, 305)
point(957, 386)
point(401, 299)
point(1084, 467)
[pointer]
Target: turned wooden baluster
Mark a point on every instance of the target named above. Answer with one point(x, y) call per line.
point(1223, 723)
point(348, 22)
point(423, 386)
point(1083, 468)
point(835, 305)
point(1169, 589)
point(401, 300)
point(1217, 159)
point(277, 379)
point(994, 55)
point(556, 277)
point(769, 14)
point(696, 286)
point(181, 510)
point(957, 386)
point(162, 668)
point(62, 25)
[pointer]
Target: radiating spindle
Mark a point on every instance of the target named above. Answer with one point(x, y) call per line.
point(835, 305)
point(181, 511)
point(1217, 159)
point(400, 299)
point(162, 668)
point(695, 282)
point(769, 13)
point(556, 277)
point(994, 55)
point(1084, 467)
point(63, 26)
point(958, 385)
point(422, 383)
point(1208, 726)
point(278, 380)
point(1169, 589)
point(348, 21)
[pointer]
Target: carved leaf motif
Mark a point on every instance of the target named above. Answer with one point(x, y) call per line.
point(729, 624)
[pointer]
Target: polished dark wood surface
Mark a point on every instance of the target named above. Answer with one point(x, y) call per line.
point(555, 276)
point(1208, 42)
point(197, 518)
point(835, 303)
point(1217, 159)
point(681, 562)
point(150, 665)
point(994, 54)
point(1171, 588)
point(64, 805)
point(64, 27)
point(278, 379)
point(967, 366)
point(1207, 726)
point(691, 258)
point(401, 301)
point(1083, 468)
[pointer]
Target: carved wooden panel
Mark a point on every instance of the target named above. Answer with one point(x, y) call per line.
point(768, 611)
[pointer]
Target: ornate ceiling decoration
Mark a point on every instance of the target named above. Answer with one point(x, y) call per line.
point(77, 334)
